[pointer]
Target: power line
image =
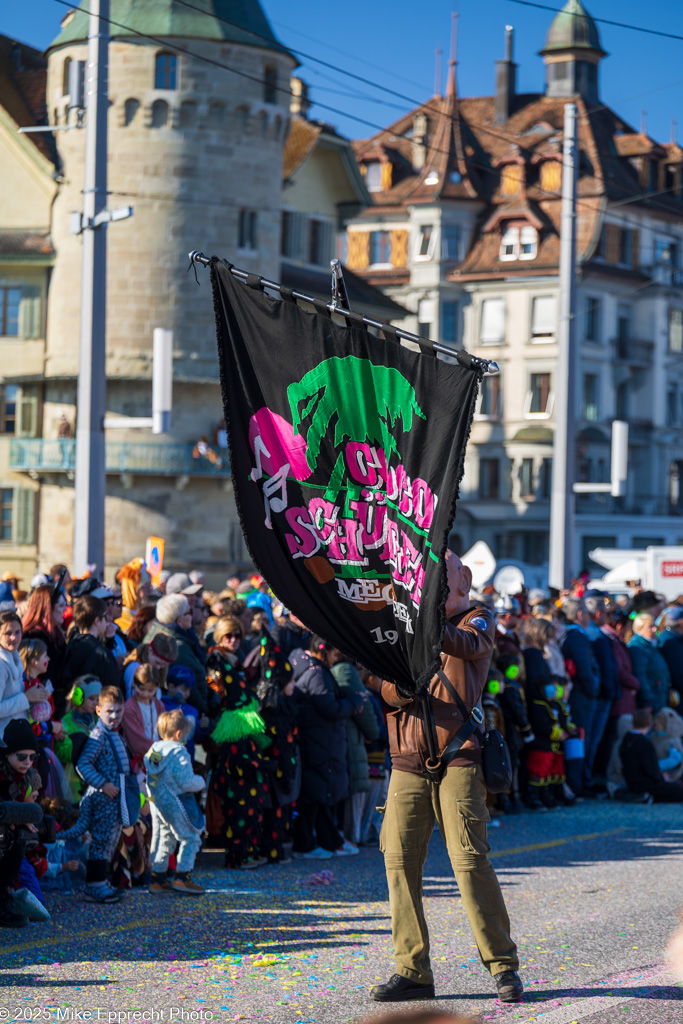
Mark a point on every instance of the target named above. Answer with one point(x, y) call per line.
point(603, 21)
point(379, 128)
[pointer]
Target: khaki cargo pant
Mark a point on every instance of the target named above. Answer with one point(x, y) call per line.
point(458, 804)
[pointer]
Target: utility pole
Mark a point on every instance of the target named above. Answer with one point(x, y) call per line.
point(90, 483)
point(561, 560)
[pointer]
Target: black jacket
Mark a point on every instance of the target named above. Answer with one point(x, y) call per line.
point(577, 648)
point(639, 763)
point(320, 715)
point(86, 654)
point(671, 646)
point(610, 687)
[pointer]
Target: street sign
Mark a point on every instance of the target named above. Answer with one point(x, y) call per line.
point(154, 556)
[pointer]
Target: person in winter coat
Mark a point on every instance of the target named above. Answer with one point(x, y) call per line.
point(671, 643)
point(86, 653)
point(15, 701)
point(597, 753)
point(169, 778)
point(649, 665)
point(174, 617)
point(321, 716)
point(629, 685)
point(281, 759)
point(359, 728)
point(585, 676)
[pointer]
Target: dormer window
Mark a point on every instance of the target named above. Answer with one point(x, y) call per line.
point(551, 176)
point(509, 246)
point(432, 178)
point(528, 243)
point(373, 176)
point(519, 243)
point(511, 179)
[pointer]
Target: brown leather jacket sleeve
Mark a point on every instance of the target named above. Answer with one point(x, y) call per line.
point(468, 641)
point(389, 693)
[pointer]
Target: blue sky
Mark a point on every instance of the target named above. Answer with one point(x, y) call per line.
point(386, 42)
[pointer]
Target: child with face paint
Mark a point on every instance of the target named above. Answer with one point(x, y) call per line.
point(79, 721)
point(103, 764)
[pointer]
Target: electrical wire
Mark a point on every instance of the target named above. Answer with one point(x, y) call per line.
point(183, 51)
point(603, 21)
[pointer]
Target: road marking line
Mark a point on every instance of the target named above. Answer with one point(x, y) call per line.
point(571, 1013)
point(556, 842)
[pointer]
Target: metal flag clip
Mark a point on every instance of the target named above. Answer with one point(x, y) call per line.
point(339, 294)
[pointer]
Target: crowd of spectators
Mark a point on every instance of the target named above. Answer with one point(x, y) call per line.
point(152, 721)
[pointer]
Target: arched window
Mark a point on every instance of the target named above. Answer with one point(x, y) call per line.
point(65, 76)
point(216, 118)
point(130, 109)
point(188, 111)
point(159, 113)
point(263, 124)
point(270, 84)
point(165, 71)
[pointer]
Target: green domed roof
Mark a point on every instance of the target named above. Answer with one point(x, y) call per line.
point(572, 28)
point(230, 21)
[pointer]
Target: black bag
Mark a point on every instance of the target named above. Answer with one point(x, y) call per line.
point(495, 756)
point(496, 762)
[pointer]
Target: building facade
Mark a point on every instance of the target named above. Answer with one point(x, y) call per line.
point(195, 147)
point(464, 232)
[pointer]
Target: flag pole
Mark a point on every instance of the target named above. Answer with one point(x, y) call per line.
point(482, 366)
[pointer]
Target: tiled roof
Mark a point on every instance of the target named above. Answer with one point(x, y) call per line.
point(26, 244)
point(462, 137)
point(23, 81)
point(301, 141)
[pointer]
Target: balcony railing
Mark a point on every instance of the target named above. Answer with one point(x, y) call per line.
point(59, 456)
point(630, 350)
point(636, 505)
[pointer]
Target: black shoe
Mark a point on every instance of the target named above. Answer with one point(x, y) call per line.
point(509, 987)
point(399, 990)
point(8, 919)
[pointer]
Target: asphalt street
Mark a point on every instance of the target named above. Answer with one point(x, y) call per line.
point(594, 893)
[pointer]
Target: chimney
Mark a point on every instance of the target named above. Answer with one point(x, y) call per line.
point(505, 81)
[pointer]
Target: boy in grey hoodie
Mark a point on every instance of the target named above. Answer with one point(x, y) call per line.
point(176, 816)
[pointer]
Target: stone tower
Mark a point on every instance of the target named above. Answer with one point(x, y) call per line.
point(195, 147)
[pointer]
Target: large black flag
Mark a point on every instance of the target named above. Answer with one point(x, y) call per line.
point(346, 452)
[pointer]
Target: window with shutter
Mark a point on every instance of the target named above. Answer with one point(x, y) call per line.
point(10, 304)
point(7, 513)
point(612, 245)
point(551, 176)
point(511, 179)
point(509, 244)
point(543, 319)
point(27, 412)
point(30, 311)
point(398, 248)
point(492, 322)
point(359, 250)
point(25, 516)
point(387, 175)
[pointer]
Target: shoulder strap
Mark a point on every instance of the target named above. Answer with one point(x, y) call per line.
point(462, 707)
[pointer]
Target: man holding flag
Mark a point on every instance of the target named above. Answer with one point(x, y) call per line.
point(438, 733)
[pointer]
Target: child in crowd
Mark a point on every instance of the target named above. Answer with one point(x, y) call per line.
point(104, 766)
point(79, 721)
point(640, 766)
point(551, 726)
point(141, 713)
point(15, 701)
point(176, 816)
point(20, 781)
point(54, 744)
point(66, 858)
point(179, 686)
point(160, 653)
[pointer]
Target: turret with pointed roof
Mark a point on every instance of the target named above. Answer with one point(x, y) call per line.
point(572, 53)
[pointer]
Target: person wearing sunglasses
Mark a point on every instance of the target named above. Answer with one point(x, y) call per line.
point(20, 782)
